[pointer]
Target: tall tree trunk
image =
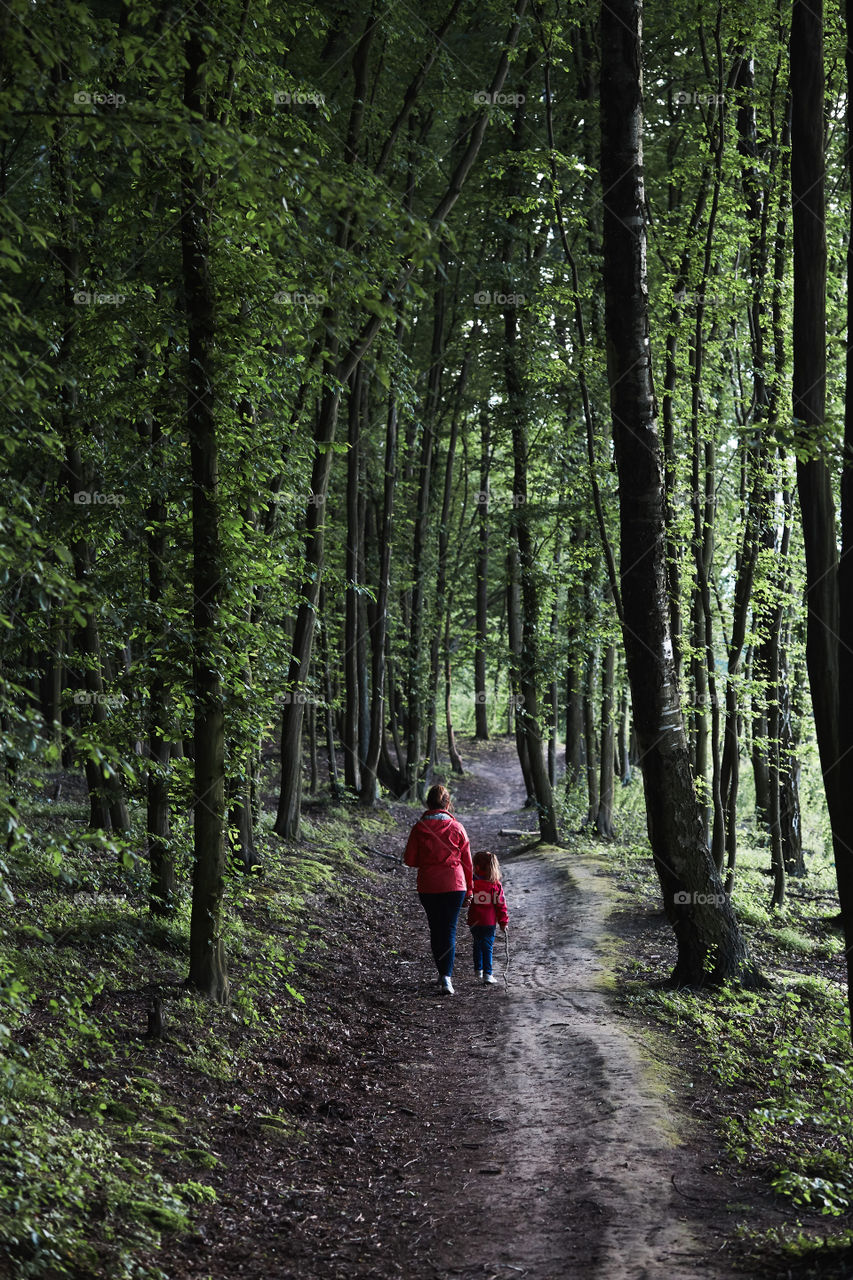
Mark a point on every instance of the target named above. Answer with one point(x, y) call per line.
point(814, 481)
point(843, 820)
point(207, 971)
point(574, 723)
point(514, 635)
point(604, 815)
point(379, 617)
point(415, 765)
point(528, 658)
point(790, 821)
point(328, 699)
point(452, 750)
point(290, 797)
point(481, 716)
point(710, 946)
point(624, 740)
point(352, 777)
point(160, 858)
point(589, 735)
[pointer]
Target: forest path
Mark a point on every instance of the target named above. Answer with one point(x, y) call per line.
point(524, 1130)
point(570, 1164)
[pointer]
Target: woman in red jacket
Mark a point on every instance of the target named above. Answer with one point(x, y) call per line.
point(438, 846)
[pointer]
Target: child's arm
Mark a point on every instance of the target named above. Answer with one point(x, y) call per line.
point(501, 909)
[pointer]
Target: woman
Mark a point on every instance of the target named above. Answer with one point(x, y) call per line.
point(438, 846)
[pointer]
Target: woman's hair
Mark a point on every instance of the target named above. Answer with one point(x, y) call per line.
point(438, 797)
point(486, 866)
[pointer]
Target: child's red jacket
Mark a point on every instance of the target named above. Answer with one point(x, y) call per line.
point(488, 906)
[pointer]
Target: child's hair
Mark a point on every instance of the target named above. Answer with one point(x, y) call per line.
point(438, 797)
point(486, 866)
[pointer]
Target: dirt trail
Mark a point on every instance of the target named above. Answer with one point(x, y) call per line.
point(519, 1130)
point(570, 1165)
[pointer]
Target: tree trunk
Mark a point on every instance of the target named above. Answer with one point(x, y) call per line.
point(843, 820)
point(814, 481)
point(514, 635)
point(589, 735)
point(452, 750)
point(160, 858)
point(290, 797)
point(207, 972)
point(379, 618)
point(604, 815)
point(710, 946)
point(528, 674)
point(624, 743)
point(574, 725)
point(352, 777)
point(481, 716)
point(416, 768)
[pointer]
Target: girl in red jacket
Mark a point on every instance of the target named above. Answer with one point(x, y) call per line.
point(438, 846)
point(488, 910)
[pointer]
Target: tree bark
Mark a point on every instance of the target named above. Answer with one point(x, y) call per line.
point(710, 946)
point(379, 618)
point(604, 815)
point(207, 971)
point(481, 717)
point(843, 821)
point(528, 674)
point(352, 568)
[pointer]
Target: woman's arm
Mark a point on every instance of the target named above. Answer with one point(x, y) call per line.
point(410, 857)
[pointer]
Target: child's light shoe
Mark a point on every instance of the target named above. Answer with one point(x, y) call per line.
point(489, 980)
point(447, 987)
point(478, 974)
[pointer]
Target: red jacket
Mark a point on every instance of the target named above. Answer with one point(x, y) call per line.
point(438, 846)
point(489, 904)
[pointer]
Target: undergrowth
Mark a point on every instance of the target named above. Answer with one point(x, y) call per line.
point(781, 1058)
point(97, 1157)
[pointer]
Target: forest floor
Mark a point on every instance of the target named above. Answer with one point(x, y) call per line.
point(528, 1129)
point(341, 1120)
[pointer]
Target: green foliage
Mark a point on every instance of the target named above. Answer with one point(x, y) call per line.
point(98, 1160)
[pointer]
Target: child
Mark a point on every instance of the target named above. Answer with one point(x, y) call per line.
point(488, 910)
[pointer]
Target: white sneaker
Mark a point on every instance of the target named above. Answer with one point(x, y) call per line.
point(447, 987)
point(489, 980)
point(478, 974)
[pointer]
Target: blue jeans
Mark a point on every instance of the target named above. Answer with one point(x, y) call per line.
point(442, 912)
point(484, 941)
